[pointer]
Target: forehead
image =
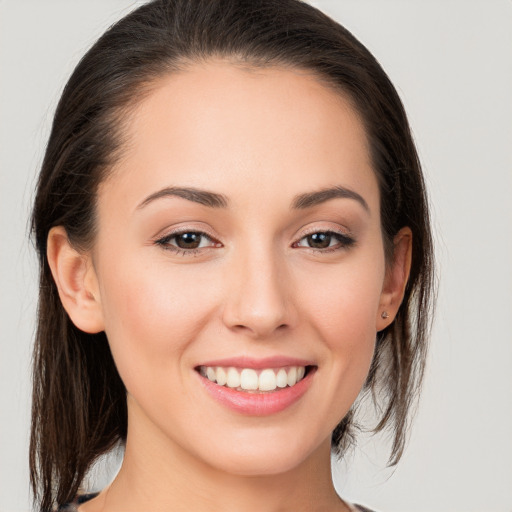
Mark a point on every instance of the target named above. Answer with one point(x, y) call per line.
point(239, 130)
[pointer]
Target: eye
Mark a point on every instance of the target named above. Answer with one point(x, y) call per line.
point(187, 242)
point(325, 241)
point(191, 240)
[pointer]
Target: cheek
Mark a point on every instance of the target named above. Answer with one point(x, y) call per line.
point(152, 316)
point(341, 305)
point(344, 300)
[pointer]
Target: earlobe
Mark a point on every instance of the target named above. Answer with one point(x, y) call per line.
point(76, 281)
point(397, 275)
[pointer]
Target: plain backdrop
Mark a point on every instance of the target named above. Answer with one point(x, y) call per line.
point(451, 61)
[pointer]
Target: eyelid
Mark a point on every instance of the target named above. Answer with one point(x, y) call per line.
point(345, 233)
point(164, 238)
point(345, 238)
point(179, 230)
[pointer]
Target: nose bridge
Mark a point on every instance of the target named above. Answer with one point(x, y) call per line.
point(258, 299)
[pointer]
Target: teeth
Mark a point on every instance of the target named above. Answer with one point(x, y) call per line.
point(233, 378)
point(222, 377)
point(248, 379)
point(267, 380)
point(210, 373)
point(292, 376)
point(282, 378)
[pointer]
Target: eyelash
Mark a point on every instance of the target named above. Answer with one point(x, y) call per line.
point(344, 242)
point(164, 242)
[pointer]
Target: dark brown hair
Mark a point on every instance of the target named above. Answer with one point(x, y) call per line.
point(79, 401)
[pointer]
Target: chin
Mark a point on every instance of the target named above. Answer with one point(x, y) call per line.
point(265, 458)
point(259, 466)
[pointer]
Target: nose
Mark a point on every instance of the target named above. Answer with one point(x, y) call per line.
point(259, 299)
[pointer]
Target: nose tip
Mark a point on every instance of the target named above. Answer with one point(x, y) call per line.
point(258, 304)
point(258, 324)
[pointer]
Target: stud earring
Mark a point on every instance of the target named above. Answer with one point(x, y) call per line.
point(384, 314)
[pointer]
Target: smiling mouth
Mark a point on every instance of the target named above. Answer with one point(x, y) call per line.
point(250, 380)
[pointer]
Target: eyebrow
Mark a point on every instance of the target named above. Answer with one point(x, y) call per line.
point(204, 197)
point(216, 200)
point(311, 199)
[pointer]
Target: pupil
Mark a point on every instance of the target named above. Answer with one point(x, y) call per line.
point(188, 240)
point(319, 240)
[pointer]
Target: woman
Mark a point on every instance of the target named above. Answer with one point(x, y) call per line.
point(235, 250)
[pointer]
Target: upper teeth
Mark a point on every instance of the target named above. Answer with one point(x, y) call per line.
point(249, 379)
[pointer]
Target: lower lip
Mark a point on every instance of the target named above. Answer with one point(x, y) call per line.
point(258, 404)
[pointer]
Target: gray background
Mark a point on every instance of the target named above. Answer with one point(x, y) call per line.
point(452, 64)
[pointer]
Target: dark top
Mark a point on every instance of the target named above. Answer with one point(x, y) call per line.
point(72, 507)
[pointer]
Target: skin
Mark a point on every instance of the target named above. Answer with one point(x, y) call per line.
point(256, 287)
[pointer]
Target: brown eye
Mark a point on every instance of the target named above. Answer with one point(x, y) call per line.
point(325, 241)
point(319, 240)
point(188, 240)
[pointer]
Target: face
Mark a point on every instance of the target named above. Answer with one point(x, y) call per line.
point(239, 238)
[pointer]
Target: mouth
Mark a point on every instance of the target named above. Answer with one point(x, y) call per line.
point(256, 380)
point(257, 386)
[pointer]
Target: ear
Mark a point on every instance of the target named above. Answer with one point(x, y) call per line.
point(395, 281)
point(76, 281)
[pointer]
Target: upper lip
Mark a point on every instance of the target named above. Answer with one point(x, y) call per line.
point(258, 363)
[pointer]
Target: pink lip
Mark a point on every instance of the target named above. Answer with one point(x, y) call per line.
point(256, 364)
point(257, 404)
